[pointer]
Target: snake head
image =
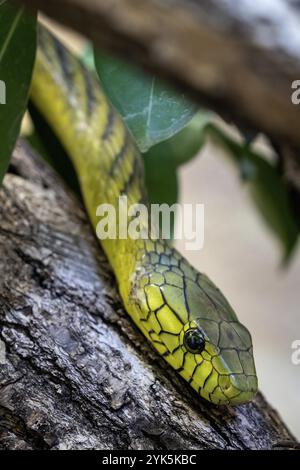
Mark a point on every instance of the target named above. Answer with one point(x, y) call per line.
point(190, 323)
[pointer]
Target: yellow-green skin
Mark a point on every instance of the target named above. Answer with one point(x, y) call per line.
point(161, 291)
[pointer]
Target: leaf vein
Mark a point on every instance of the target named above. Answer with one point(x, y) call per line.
point(150, 103)
point(10, 33)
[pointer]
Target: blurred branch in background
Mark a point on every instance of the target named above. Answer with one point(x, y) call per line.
point(238, 58)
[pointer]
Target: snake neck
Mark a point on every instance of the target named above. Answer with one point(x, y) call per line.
point(107, 162)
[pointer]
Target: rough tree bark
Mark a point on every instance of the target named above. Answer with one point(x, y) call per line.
point(239, 58)
point(75, 372)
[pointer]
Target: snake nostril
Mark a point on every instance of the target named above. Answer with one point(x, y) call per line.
point(225, 383)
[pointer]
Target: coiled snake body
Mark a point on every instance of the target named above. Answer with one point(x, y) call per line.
point(179, 310)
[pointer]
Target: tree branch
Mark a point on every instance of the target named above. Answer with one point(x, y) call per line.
point(238, 58)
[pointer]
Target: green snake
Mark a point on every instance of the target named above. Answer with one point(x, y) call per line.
point(178, 309)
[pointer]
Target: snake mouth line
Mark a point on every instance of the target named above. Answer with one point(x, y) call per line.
point(231, 396)
point(239, 393)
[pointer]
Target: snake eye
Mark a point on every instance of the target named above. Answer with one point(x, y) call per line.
point(194, 341)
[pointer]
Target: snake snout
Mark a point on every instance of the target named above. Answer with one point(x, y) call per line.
point(239, 388)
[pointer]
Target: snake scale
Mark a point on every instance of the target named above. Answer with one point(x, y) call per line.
point(179, 310)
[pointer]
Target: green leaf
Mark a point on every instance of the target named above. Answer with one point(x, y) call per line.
point(87, 57)
point(152, 111)
point(186, 144)
point(162, 160)
point(51, 150)
point(270, 196)
point(267, 189)
point(17, 53)
point(161, 180)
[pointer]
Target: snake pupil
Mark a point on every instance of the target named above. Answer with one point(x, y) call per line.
point(194, 341)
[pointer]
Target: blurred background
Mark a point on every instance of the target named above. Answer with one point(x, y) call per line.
point(244, 259)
